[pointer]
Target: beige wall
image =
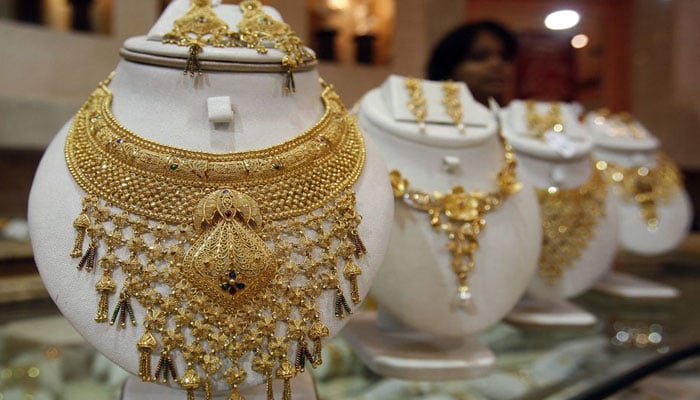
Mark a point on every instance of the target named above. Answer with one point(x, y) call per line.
point(666, 83)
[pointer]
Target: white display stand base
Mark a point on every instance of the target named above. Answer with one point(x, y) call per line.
point(549, 314)
point(632, 287)
point(303, 388)
point(407, 354)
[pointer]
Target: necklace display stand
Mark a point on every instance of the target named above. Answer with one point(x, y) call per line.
point(166, 107)
point(623, 141)
point(561, 161)
point(416, 287)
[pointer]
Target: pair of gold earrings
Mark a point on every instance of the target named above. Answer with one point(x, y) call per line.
point(418, 106)
point(201, 27)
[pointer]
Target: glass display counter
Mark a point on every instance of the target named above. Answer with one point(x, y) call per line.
point(42, 357)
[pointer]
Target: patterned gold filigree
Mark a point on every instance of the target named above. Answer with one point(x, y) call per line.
point(229, 270)
point(569, 218)
point(460, 215)
point(646, 186)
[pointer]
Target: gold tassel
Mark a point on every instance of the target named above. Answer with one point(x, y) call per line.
point(302, 355)
point(351, 272)
point(166, 366)
point(145, 345)
point(88, 260)
point(342, 309)
point(123, 309)
point(80, 224)
point(193, 66)
point(235, 395)
point(290, 86)
point(317, 332)
point(360, 248)
point(286, 372)
point(190, 381)
point(106, 287)
point(270, 393)
point(207, 390)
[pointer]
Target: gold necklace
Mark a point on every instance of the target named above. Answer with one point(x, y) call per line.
point(648, 187)
point(228, 253)
point(460, 215)
point(538, 124)
point(569, 218)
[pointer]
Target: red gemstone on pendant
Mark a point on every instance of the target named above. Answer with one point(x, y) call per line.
point(228, 213)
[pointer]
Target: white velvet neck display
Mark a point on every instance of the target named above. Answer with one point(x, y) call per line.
point(416, 284)
point(162, 105)
point(545, 167)
point(674, 216)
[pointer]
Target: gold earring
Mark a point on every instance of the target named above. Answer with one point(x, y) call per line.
point(416, 101)
point(453, 106)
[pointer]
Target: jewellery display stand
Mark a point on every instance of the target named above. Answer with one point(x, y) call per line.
point(416, 284)
point(623, 141)
point(560, 161)
point(390, 348)
point(166, 107)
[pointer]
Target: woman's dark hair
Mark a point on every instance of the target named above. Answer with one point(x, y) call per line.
point(457, 46)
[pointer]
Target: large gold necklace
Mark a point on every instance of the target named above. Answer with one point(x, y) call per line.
point(228, 253)
point(460, 215)
point(569, 218)
point(648, 187)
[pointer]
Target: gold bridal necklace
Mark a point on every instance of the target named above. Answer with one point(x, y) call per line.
point(227, 254)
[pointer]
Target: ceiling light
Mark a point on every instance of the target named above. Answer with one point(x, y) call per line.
point(562, 19)
point(579, 41)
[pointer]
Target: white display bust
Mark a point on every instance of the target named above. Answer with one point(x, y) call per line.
point(563, 161)
point(627, 143)
point(162, 105)
point(416, 284)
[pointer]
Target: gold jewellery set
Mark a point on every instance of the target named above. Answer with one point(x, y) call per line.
point(569, 216)
point(201, 27)
point(648, 187)
point(418, 105)
point(461, 216)
point(228, 253)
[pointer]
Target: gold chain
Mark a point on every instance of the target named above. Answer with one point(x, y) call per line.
point(538, 124)
point(228, 253)
point(569, 219)
point(648, 187)
point(416, 101)
point(460, 215)
point(453, 106)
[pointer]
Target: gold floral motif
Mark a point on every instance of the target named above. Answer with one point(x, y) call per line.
point(228, 253)
point(646, 186)
point(416, 101)
point(460, 215)
point(569, 219)
point(453, 106)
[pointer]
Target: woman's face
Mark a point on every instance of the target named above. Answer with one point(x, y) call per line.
point(485, 70)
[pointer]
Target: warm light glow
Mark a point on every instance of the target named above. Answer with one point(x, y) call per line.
point(562, 19)
point(337, 4)
point(579, 41)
